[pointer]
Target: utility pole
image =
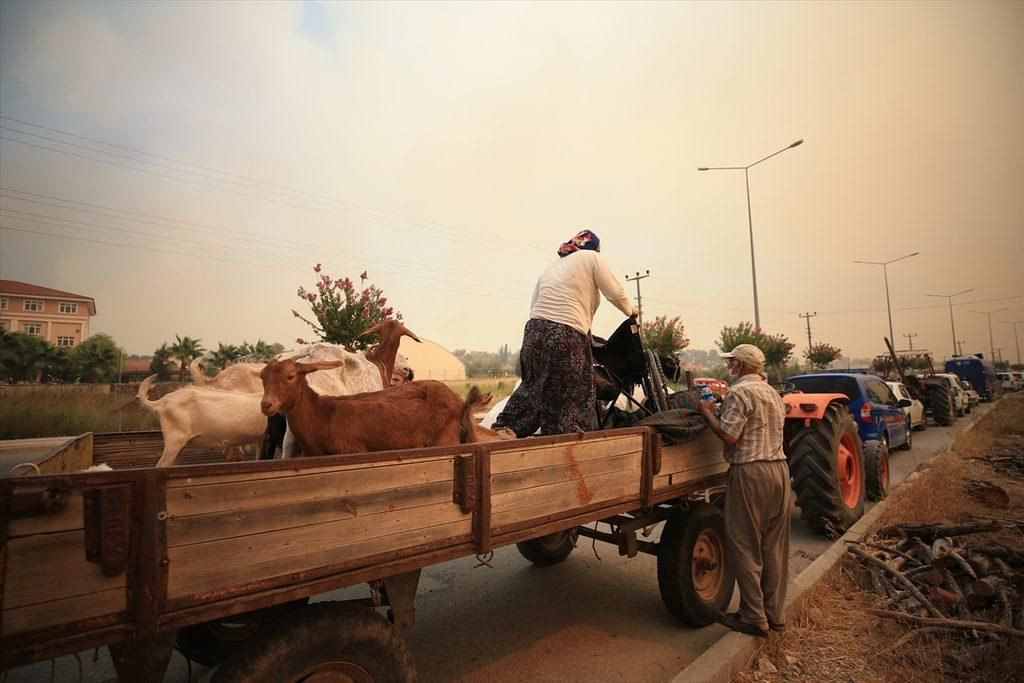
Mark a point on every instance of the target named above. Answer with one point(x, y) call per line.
point(959, 350)
point(808, 317)
point(991, 344)
point(639, 300)
point(998, 353)
point(910, 339)
point(1016, 340)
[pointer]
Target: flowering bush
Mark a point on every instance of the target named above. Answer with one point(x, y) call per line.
point(665, 336)
point(342, 312)
point(822, 354)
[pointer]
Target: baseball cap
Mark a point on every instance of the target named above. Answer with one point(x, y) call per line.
point(748, 353)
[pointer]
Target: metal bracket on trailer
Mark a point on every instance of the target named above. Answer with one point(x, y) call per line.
point(624, 528)
point(398, 592)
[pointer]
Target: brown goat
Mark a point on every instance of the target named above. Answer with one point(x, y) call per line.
point(413, 415)
point(383, 355)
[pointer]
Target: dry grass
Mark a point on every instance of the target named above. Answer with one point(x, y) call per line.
point(833, 638)
point(33, 414)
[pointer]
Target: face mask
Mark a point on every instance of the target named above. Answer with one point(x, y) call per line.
point(734, 374)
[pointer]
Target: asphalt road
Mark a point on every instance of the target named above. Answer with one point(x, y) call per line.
point(595, 617)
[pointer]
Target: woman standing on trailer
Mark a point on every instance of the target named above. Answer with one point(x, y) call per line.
point(557, 393)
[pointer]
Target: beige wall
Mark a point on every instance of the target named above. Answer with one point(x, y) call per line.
point(53, 323)
point(431, 361)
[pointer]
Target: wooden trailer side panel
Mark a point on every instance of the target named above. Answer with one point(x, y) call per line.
point(533, 483)
point(225, 532)
point(684, 464)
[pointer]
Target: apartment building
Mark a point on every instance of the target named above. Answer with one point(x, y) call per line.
point(61, 318)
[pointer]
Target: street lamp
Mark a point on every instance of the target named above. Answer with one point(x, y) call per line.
point(949, 297)
point(885, 271)
point(750, 220)
point(1016, 340)
point(991, 344)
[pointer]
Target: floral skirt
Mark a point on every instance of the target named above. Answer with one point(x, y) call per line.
point(557, 393)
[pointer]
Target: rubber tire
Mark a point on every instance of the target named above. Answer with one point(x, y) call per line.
point(876, 456)
point(205, 644)
point(675, 559)
point(548, 550)
point(909, 443)
point(940, 404)
point(812, 466)
point(322, 632)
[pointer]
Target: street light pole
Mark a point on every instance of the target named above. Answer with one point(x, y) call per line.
point(750, 218)
point(991, 343)
point(885, 272)
point(1016, 340)
point(952, 326)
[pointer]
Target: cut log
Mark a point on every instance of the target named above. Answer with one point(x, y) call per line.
point(948, 599)
point(987, 586)
point(902, 580)
point(941, 549)
point(974, 600)
point(930, 532)
point(981, 564)
point(963, 610)
point(964, 565)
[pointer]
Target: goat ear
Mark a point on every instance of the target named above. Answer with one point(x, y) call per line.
point(373, 330)
point(306, 368)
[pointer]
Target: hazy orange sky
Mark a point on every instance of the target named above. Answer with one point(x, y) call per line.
point(448, 148)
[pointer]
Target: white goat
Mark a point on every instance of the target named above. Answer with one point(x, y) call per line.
point(226, 420)
point(243, 377)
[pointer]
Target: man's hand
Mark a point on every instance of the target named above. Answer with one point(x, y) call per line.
point(705, 408)
point(634, 312)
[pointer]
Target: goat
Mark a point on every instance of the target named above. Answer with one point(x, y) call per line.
point(242, 377)
point(384, 354)
point(412, 415)
point(214, 418)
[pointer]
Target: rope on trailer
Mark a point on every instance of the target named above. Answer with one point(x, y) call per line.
point(484, 560)
point(53, 669)
point(593, 545)
point(25, 464)
point(96, 655)
point(81, 672)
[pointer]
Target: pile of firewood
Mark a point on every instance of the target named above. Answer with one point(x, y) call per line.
point(928, 576)
point(1006, 457)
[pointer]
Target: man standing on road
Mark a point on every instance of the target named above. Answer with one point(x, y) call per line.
point(757, 498)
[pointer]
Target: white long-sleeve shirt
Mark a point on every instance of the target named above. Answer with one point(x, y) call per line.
point(568, 292)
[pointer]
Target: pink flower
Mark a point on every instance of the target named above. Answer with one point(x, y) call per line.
point(300, 340)
point(316, 268)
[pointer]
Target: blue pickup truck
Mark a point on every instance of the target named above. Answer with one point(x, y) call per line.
point(881, 421)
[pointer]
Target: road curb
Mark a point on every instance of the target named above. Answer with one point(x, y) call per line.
point(733, 651)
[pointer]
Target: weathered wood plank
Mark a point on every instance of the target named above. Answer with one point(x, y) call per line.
point(523, 479)
point(666, 480)
point(260, 547)
point(28, 578)
point(35, 588)
point(694, 455)
point(583, 491)
point(565, 504)
point(577, 451)
point(303, 467)
point(288, 487)
point(45, 550)
point(249, 567)
point(66, 611)
point(234, 523)
point(68, 520)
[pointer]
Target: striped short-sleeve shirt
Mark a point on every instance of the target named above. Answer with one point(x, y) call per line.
point(754, 413)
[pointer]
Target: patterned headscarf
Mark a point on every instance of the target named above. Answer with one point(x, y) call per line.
point(583, 240)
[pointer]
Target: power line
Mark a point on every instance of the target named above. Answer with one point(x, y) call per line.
point(228, 173)
point(808, 317)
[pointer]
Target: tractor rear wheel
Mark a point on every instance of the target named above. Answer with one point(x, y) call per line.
point(827, 466)
point(940, 404)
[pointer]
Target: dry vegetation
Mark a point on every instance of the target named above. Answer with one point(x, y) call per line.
point(59, 411)
point(834, 638)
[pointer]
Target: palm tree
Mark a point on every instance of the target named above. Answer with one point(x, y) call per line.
point(97, 358)
point(161, 360)
point(225, 355)
point(185, 350)
point(54, 363)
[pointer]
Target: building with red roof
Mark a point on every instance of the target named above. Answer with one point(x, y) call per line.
point(61, 318)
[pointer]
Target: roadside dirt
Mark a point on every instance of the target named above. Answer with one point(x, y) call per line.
point(835, 638)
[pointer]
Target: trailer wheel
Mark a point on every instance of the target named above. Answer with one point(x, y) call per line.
point(548, 550)
point(940, 404)
point(694, 576)
point(827, 466)
point(876, 465)
point(210, 642)
point(326, 641)
point(657, 380)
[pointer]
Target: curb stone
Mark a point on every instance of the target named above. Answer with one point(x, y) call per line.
point(733, 652)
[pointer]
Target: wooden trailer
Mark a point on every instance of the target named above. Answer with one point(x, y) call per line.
point(131, 557)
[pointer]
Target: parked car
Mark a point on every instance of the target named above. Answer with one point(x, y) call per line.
point(718, 387)
point(1020, 378)
point(1008, 381)
point(915, 411)
point(973, 396)
point(979, 372)
point(960, 400)
point(881, 422)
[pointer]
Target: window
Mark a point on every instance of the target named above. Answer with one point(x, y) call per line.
point(828, 384)
point(3, 325)
point(3, 303)
point(879, 392)
point(32, 328)
point(33, 305)
point(65, 342)
point(68, 307)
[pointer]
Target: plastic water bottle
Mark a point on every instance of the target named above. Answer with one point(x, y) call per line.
point(705, 393)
